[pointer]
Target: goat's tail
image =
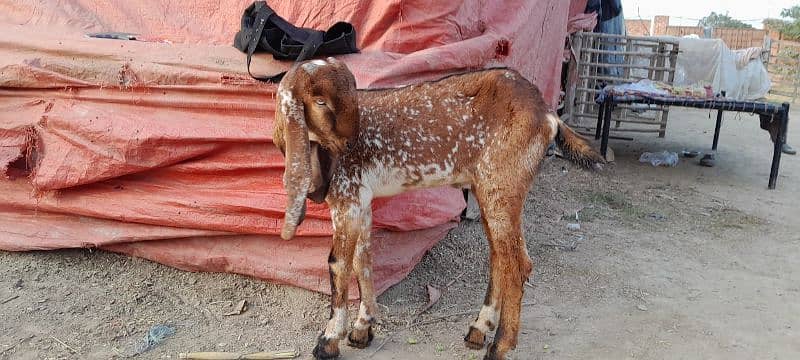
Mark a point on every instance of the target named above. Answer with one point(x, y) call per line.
point(574, 146)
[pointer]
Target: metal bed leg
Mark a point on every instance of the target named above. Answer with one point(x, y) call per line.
point(609, 104)
point(599, 126)
point(776, 155)
point(716, 131)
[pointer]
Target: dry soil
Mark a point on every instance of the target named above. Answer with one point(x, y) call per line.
point(669, 263)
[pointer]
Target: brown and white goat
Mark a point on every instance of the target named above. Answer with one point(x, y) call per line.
point(487, 130)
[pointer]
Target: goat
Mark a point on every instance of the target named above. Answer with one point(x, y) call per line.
point(487, 130)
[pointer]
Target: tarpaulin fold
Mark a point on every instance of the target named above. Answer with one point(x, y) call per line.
point(161, 148)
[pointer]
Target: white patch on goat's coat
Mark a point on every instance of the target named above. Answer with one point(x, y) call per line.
point(291, 108)
point(360, 248)
point(312, 66)
point(344, 183)
point(488, 314)
point(366, 223)
point(553, 121)
point(383, 181)
point(312, 136)
point(364, 319)
point(336, 325)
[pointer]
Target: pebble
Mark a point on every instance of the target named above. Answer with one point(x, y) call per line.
point(573, 226)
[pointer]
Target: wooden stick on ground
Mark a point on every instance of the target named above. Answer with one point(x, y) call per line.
point(65, 345)
point(269, 355)
point(9, 299)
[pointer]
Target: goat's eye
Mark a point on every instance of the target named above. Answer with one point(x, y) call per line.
point(320, 102)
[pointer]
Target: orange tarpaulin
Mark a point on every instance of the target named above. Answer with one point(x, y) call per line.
point(161, 148)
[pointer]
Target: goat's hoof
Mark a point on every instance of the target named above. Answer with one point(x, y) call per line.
point(474, 339)
point(326, 348)
point(360, 339)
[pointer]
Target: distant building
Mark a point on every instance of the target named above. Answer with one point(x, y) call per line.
point(659, 26)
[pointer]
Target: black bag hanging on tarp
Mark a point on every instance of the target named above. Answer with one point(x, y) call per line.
point(263, 30)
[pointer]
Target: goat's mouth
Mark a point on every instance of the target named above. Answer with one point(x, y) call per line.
point(321, 172)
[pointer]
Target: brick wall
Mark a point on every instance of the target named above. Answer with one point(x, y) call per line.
point(734, 38)
point(741, 38)
point(637, 27)
point(660, 25)
point(683, 31)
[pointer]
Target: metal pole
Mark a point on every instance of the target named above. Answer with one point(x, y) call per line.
point(606, 124)
point(781, 139)
point(716, 130)
point(599, 126)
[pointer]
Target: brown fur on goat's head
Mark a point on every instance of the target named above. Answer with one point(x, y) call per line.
point(316, 116)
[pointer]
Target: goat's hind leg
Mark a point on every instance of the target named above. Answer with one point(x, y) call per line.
point(347, 222)
point(516, 267)
point(501, 204)
point(490, 311)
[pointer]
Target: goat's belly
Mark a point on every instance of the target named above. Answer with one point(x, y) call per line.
point(392, 181)
point(383, 181)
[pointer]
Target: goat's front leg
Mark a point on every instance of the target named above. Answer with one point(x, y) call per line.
point(347, 221)
point(361, 335)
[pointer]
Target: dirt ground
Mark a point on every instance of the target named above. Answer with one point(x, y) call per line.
point(669, 263)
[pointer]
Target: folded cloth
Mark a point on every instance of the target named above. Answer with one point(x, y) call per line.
point(644, 86)
point(744, 56)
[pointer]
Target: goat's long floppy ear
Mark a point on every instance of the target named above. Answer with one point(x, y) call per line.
point(297, 176)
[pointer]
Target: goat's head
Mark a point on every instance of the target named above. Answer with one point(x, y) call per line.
point(316, 116)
